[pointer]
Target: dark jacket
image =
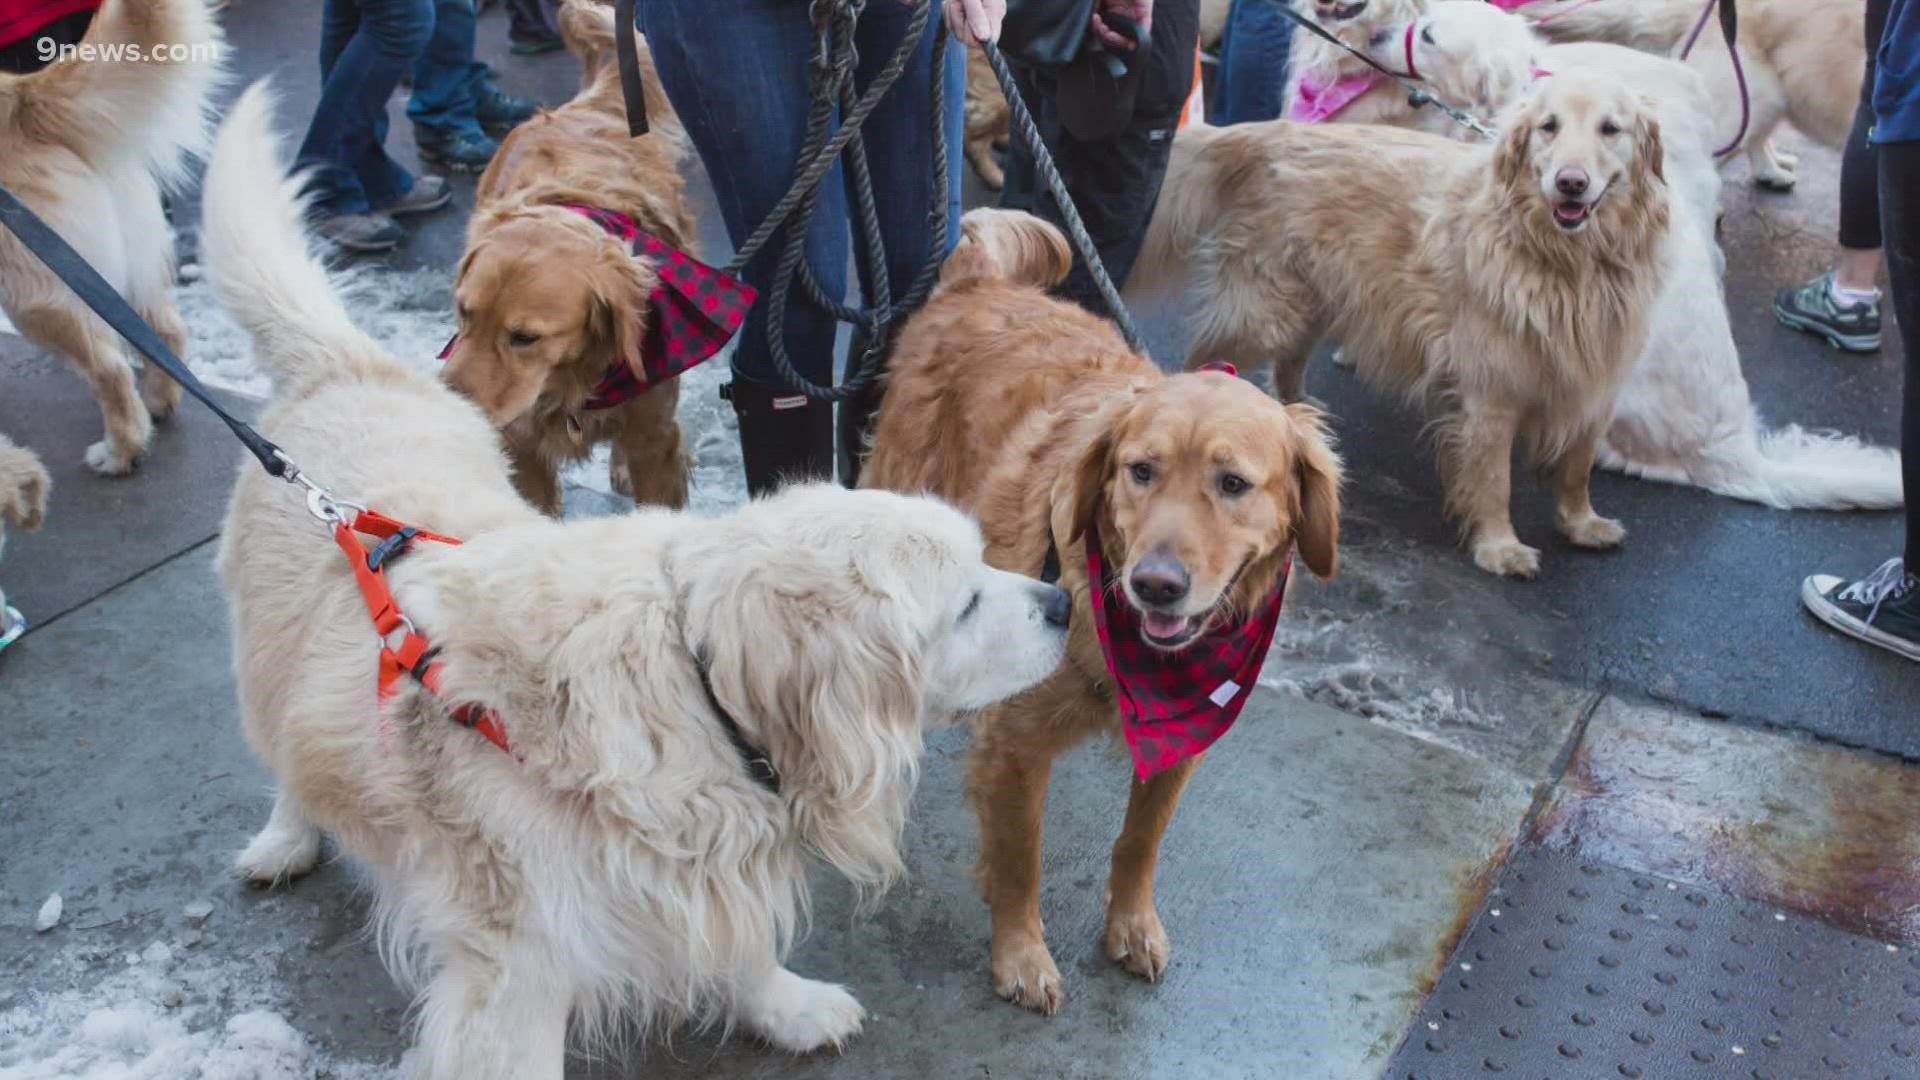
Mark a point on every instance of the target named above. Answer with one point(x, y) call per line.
point(1896, 88)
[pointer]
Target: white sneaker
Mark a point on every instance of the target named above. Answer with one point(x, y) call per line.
point(12, 624)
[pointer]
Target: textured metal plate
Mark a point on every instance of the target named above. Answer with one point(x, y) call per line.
point(1577, 970)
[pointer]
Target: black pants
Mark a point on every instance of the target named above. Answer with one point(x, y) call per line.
point(1114, 183)
point(1859, 176)
point(24, 57)
point(1900, 226)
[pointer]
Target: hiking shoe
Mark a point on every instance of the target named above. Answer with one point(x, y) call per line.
point(12, 625)
point(458, 149)
point(428, 193)
point(535, 45)
point(1811, 309)
point(500, 113)
point(1881, 609)
point(365, 233)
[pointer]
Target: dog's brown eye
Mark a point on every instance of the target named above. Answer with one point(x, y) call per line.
point(520, 339)
point(1142, 473)
point(1608, 127)
point(1231, 485)
point(1552, 125)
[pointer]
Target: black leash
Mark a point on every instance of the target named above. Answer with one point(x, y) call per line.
point(632, 86)
point(93, 290)
point(759, 765)
point(1417, 95)
point(1043, 162)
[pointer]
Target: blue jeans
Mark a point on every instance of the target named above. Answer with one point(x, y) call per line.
point(447, 80)
point(365, 46)
point(736, 71)
point(1253, 63)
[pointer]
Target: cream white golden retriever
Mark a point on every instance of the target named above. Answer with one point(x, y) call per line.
point(1684, 414)
point(1804, 61)
point(88, 143)
point(1322, 78)
point(621, 862)
point(1508, 286)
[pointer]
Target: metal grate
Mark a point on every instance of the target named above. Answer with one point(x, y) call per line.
point(1582, 971)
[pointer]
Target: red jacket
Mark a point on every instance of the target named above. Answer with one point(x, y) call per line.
point(23, 18)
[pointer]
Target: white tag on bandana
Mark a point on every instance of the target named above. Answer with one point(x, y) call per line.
point(1224, 693)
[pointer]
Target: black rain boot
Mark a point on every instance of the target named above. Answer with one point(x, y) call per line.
point(855, 422)
point(784, 436)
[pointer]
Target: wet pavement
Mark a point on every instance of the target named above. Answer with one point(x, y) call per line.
point(1665, 711)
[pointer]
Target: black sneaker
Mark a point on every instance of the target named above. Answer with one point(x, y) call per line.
point(500, 113)
point(534, 44)
point(458, 149)
point(366, 234)
point(1811, 309)
point(1881, 609)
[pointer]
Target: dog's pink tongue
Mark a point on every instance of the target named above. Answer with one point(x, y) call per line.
point(1164, 627)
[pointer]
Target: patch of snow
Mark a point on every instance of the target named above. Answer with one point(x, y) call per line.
point(49, 916)
point(163, 1019)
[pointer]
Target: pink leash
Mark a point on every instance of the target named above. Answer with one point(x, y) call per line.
point(1739, 77)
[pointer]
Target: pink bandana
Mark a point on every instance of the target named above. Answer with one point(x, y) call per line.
point(1173, 706)
point(1510, 5)
point(693, 312)
point(1315, 103)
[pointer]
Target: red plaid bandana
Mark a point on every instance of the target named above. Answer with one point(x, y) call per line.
point(1175, 705)
point(695, 310)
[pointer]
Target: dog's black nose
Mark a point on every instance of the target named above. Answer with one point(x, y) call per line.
point(1159, 579)
point(1057, 606)
point(1571, 182)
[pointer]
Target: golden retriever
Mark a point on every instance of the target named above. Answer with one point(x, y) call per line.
point(621, 862)
point(989, 120)
point(24, 486)
point(548, 300)
point(1684, 414)
point(1036, 417)
point(1316, 67)
point(88, 145)
point(1508, 286)
point(1804, 62)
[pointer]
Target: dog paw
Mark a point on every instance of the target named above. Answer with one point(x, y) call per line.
point(1136, 941)
point(1775, 180)
point(1508, 558)
point(1025, 975)
point(1594, 531)
point(278, 855)
point(160, 394)
point(25, 503)
point(803, 1015)
point(103, 458)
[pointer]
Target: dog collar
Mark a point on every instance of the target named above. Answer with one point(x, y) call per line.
point(1412, 72)
point(694, 310)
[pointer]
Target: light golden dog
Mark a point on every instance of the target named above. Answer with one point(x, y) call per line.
point(1507, 286)
point(88, 143)
point(989, 120)
point(24, 487)
point(548, 300)
point(1804, 62)
point(1036, 417)
point(621, 862)
point(1316, 62)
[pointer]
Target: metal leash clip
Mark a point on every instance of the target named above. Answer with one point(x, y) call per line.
point(321, 503)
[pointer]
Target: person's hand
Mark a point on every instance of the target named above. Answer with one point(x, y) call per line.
point(1140, 11)
point(976, 20)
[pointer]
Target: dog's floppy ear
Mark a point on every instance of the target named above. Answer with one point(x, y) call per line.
point(1316, 528)
point(1087, 481)
point(621, 285)
point(1649, 153)
point(1510, 156)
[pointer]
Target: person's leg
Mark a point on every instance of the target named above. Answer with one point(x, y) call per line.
point(1252, 78)
point(1883, 608)
point(1115, 183)
point(365, 45)
point(446, 78)
point(747, 117)
point(907, 197)
point(530, 28)
point(1843, 304)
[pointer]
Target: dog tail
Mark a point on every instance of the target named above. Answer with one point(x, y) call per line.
point(255, 246)
point(587, 28)
point(1007, 246)
point(138, 95)
point(1187, 200)
point(1789, 468)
